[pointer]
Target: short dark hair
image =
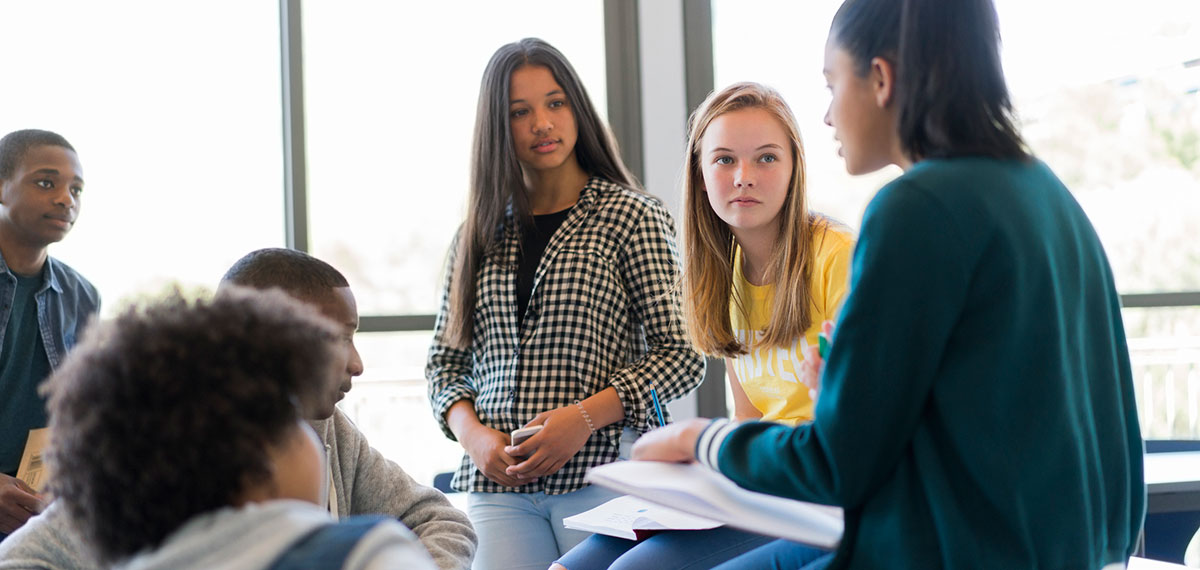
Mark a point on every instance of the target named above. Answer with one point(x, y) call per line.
point(166, 411)
point(950, 88)
point(297, 273)
point(14, 145)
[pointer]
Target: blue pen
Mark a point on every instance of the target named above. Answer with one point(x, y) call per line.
point(657, 406)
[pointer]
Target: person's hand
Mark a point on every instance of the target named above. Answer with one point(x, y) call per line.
point(18, 502)
point(675, 443)
point(810, 368)
point(564, 434)
point(486, 448)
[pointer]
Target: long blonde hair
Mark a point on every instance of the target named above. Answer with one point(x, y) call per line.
point(708, 246)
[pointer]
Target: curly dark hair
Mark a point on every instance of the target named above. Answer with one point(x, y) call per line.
point(14, 145)
point(296, 272)
point(166, 411)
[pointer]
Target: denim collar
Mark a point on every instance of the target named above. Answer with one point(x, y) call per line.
point(50, 271)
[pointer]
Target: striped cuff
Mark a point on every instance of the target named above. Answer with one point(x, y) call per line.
point(709, 443)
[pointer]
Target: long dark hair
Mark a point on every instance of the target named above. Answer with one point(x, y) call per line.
point(496, 176)
point(950, 90)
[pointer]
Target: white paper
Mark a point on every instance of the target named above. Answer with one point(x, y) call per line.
point(32, 469)
point(700, 491)
point(622, 516)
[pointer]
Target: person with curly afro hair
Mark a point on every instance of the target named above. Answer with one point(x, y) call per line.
point(361, 480)
point(179, 441)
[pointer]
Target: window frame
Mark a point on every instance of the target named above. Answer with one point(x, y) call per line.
point(623, 65)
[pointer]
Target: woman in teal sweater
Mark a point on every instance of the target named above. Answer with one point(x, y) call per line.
point(977, 406)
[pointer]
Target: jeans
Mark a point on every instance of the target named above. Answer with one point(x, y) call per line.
point(524, 531)
point(671, 550)
point(781, 555)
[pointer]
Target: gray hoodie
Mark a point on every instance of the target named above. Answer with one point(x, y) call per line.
point(253, 536)
point(364, 482)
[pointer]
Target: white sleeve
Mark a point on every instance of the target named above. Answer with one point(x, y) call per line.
point(709, 444)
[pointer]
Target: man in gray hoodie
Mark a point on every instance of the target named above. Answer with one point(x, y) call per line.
point(362, 481)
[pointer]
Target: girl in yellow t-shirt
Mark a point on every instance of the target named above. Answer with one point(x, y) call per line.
point(761, 275)
point(762, 272)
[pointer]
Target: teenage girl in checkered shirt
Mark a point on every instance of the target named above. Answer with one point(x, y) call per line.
point(557, 310)
point(747, 227)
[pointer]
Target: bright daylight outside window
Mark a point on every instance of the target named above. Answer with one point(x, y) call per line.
point(1107, 93)
point(390, 95)
point(178, 135)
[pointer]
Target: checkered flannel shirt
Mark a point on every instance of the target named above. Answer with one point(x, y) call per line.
point(601, 313)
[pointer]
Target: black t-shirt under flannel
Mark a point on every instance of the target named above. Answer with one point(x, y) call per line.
point(534, 238)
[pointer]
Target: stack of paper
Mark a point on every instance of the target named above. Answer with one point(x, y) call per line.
point(697, 490)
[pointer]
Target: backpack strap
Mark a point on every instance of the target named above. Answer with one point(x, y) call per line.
point(327, 546)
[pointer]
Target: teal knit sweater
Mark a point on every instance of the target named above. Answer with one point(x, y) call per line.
point(977, 408)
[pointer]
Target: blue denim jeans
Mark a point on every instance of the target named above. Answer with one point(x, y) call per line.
point(780, 555)
point(672, 550)
point(524, 531)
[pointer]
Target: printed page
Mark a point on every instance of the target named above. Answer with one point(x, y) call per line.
point(700, 491)
point(32, 469)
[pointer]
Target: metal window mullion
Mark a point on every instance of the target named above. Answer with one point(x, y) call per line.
point(698, 51)
point(1152, 300)
point(396, 323)
point(295, 173)
point(622, 54)
point(698, 83)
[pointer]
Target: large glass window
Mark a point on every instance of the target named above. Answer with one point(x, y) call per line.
point(178, 133)
point(1164, 345)
point(1114, 110)
point(391, 91)
point(389, 404)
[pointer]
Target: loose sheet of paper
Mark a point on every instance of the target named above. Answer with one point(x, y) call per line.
point(624, 516)
point(32, 469)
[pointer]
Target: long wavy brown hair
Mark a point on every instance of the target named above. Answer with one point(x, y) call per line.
point(708, 244)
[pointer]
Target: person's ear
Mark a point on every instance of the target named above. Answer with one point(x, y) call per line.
point(883, 81)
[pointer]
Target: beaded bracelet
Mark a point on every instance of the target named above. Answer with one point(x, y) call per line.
point(586, 417)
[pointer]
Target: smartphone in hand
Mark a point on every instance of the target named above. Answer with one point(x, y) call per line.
point(524, 433)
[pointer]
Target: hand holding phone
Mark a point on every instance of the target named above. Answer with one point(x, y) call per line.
point(524, 433)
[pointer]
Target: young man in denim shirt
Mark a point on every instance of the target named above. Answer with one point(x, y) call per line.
point(44, 304)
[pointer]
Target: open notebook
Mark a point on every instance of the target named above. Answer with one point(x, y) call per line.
point(633, 518)
point(697, 490)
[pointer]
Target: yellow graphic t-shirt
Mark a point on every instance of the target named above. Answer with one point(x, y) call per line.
point(768, 374)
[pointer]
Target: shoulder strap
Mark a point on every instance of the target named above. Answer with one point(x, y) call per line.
point(327, 546)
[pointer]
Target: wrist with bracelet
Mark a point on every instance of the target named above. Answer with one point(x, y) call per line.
point(586, 416)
